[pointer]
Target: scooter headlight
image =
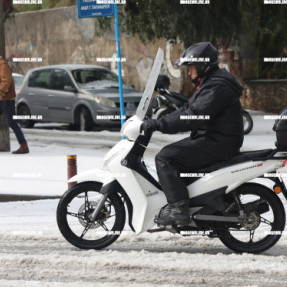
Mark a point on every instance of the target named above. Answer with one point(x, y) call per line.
point(123, 127)
point(131, 128)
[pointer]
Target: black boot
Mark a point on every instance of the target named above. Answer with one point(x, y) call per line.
point(165, 213)
point(174, 213)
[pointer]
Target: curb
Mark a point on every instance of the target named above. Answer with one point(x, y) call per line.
point(20, 197)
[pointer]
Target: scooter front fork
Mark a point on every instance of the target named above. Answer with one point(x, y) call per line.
point(99, 207)
point(105, 190)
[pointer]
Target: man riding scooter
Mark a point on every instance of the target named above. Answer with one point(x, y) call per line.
point(215, 138)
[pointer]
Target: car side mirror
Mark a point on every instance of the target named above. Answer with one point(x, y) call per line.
point(70, 89)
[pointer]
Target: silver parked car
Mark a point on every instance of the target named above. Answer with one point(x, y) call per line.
point(83, 95)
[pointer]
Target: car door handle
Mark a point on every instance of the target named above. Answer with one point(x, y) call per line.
point(31, 94)
point(51, 96)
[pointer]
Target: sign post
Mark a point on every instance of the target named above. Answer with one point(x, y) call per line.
point(90, 8)
point(119, 64)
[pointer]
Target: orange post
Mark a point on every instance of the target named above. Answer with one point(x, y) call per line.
point(72, 168)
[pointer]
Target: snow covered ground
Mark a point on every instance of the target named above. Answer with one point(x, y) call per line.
point(33, 252)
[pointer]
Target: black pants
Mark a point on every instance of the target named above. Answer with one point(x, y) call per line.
point(8, 107)
point(183, 156)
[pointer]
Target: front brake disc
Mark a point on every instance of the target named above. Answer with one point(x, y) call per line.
point(84, 214)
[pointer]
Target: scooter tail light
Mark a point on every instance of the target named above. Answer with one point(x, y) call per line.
point(277, 189)
point(284, 163)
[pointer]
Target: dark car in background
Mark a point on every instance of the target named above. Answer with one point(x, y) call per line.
point(83, 95)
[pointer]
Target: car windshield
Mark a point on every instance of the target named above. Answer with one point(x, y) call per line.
point(89, 78)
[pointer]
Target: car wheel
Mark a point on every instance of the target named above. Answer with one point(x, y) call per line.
point(23, 110)
point(247, 122)
point(84, 120)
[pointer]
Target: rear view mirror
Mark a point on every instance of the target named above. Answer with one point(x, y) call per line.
point(70, 89)
point(163, 82)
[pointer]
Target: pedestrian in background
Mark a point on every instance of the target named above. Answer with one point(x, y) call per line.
point(7, 104)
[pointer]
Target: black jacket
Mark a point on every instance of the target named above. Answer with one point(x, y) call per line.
point(218, 98)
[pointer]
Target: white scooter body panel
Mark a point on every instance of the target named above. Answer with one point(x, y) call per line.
point(147, 200)
point(103, 175)
point(232, 176)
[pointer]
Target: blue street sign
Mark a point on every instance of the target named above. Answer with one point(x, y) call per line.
point(90, 8)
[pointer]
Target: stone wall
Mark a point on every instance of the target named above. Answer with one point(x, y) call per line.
point(58, 36)
point(265, 95)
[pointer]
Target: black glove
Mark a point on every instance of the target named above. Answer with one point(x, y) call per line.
point(149, 126)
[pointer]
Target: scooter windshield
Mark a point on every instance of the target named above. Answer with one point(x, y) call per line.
point(149, 88)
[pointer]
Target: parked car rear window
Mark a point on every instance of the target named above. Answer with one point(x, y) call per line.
point(18, 80)
point(40, 79)
point(89, 77)
point(60, 79)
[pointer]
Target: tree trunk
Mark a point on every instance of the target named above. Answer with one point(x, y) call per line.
point(4, 134)
point(4, 129)
point(2, 30)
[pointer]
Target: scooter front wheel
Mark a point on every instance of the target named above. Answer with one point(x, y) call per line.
point(74, 216)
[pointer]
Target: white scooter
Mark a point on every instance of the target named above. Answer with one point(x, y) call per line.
point(245, 216)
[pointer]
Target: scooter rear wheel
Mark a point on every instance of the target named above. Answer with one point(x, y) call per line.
point(74, 217)
point(263, 226)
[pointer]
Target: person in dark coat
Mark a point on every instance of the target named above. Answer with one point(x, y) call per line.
point(214, 117)
point(7, 104)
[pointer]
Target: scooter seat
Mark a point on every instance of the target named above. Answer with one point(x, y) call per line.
point(241, 157)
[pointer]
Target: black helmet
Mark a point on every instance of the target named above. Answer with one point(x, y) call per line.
point(203, 55)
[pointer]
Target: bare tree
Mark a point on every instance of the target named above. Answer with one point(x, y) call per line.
point(4, 129)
